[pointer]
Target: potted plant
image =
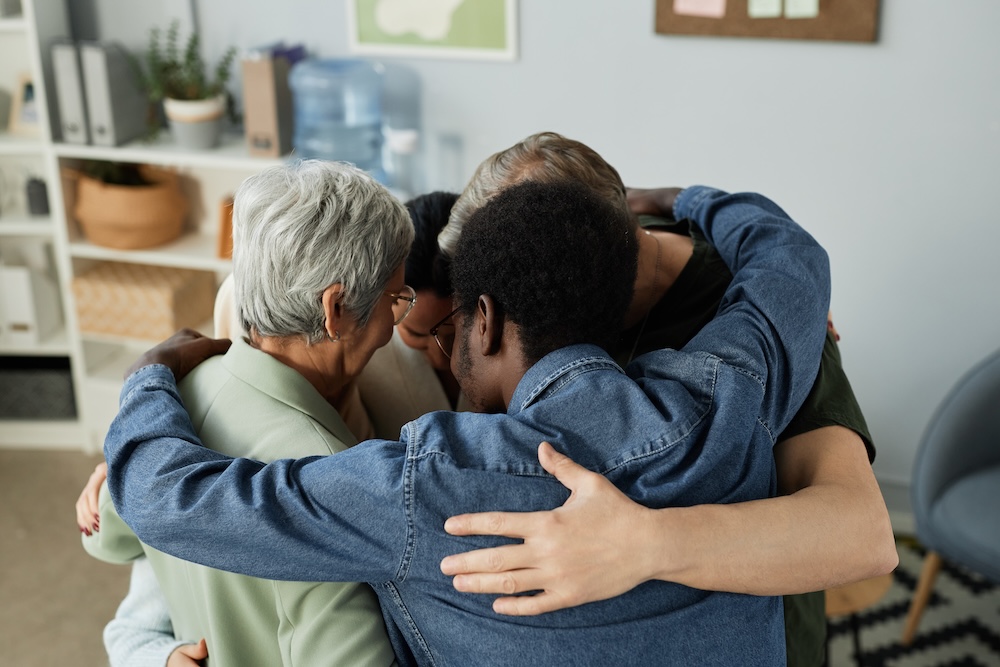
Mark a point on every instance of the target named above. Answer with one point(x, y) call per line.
point(194, 99)
point(127, 206)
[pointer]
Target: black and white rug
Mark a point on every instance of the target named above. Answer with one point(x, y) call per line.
point(959, 628)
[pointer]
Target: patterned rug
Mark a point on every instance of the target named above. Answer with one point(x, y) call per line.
point(960, 626)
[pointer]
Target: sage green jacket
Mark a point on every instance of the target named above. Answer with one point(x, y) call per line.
point(246, 403)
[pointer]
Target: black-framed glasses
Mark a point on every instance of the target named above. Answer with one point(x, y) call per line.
point(444, 333)
point(402, 303)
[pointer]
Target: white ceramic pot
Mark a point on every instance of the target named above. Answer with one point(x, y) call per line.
point(196, 123)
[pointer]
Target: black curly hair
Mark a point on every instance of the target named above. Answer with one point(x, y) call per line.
point(426, 267)
point(558, 260)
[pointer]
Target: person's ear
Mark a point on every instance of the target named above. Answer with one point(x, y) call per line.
point(333, 311)
point(489, 325)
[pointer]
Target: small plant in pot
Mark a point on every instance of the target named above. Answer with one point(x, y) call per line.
point(194, 99)
point(127, 206)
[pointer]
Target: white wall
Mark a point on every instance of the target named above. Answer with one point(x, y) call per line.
point(888, 152)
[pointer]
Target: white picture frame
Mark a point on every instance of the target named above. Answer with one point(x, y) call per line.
point(457, 29)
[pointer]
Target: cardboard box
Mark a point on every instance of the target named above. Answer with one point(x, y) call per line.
point(267, 99)
point(142, 302)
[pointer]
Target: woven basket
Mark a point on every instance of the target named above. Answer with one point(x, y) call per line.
point(127, 217)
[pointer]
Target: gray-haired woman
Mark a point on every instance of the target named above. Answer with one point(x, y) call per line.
point(318, 255)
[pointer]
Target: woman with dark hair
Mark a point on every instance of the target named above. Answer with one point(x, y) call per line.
point(414, 368)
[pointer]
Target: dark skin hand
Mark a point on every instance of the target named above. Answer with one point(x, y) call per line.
point(181, 352)
point(653, 201)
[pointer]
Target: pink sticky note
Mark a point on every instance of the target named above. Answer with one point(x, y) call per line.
point(715, 9)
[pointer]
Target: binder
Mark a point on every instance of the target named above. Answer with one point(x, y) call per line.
point(30, 305)
point(267, 99)
point(69, 93)
point(116, 104)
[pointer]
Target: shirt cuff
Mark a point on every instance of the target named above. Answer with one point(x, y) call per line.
point(154, 376)
point(687, 201)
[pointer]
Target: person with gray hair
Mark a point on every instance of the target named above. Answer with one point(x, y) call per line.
point(545, 157)
point(318, 264)
point(304, 228)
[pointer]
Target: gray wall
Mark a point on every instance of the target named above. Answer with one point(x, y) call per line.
point(889, 152)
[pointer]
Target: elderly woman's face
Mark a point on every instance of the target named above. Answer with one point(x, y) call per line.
point(378, 331)
point(415, 329)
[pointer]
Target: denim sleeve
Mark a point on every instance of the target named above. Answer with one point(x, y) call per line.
point(322, 518)
point(771, 323)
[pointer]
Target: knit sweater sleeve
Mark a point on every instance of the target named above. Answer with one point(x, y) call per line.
point(141, 635)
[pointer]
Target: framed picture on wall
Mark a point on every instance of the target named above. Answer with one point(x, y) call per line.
point(465, 29)
point(23, 119)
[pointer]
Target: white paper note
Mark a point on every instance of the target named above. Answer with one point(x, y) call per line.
point(764, 9)
point(715, 9)
point(801, 9)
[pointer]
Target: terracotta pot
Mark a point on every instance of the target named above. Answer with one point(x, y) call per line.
point(127, 217)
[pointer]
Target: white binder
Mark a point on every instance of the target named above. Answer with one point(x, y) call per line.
point(30, 305)
point(116, 105)
point(69, 93)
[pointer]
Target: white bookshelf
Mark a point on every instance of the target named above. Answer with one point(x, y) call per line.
point(97, 361)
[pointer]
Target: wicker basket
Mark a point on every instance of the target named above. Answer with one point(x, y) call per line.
point(140, 301)
point(127, 217)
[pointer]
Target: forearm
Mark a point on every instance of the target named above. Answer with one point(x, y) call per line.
point(303, 520)
point(831, 528)
point(771, 322)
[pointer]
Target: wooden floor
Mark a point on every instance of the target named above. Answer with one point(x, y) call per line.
point(56, 598)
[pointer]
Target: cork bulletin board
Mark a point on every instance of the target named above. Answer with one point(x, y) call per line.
point(832, 20)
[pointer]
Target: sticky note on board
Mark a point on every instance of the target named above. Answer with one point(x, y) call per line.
point(801, 9)
point(764, 9)
point(715, 9)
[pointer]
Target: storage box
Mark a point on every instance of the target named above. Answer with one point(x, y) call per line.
point(142, 302)
point(36, 388)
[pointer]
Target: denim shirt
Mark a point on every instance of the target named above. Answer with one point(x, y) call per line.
point(677, 428)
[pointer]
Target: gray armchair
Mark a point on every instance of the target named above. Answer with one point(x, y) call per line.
point(956, 484)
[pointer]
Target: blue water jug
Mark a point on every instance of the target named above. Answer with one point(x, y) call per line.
point(338, 111)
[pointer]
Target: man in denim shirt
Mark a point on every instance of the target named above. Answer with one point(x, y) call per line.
point(681, 428)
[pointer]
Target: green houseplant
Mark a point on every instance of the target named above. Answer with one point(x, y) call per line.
point(193, 96)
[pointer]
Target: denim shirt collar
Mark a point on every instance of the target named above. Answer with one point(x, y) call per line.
point(555, 370)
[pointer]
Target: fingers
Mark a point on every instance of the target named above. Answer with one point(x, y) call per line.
point(502, 583)
point(181, 352)
point(88, 516)
point(197, 651)
point(495, 559)
point(188, 655)
point(505, 524)
point(530, 605)
point(569, 473)
point(84, 517)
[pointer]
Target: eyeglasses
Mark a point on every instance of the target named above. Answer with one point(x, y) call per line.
point(402, 303)
point(444, 333)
